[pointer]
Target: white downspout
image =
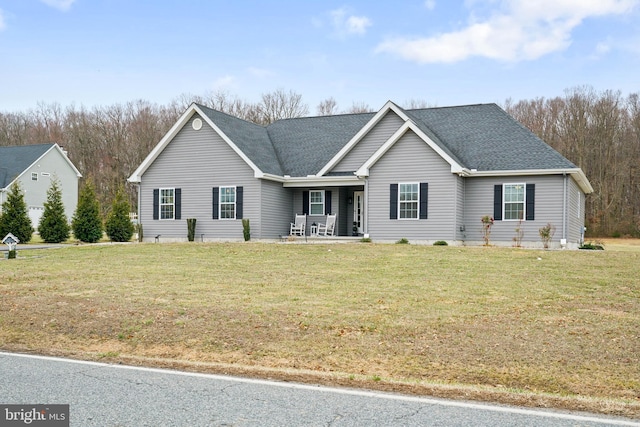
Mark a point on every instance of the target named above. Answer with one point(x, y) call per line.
point(564, 208)
point(365, 219)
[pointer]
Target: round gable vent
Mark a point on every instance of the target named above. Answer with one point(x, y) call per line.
point(197, 124)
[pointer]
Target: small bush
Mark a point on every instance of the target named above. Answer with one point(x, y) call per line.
point(118, 226)
point(191, 229)
point(440, 243)
point(592, 246)
point(365, 240)
point(546, 234)
point(12, 254)
point(246, 229)
point(403, 241)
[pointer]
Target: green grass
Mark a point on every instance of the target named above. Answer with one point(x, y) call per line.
point(537, 323)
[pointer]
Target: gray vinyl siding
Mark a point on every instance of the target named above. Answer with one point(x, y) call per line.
point(411, 160)
point(548, 208)
point(54, 164)
point(368, 145)
point(460, 190)
point(197, 161)
point(276, 208)
point(576, 212)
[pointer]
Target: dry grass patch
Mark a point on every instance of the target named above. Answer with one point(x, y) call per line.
point(558, 328)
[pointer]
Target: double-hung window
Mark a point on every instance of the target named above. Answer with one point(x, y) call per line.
point(408, 197)
point(316, 202)
point(227, 202)
point(514, 201)
point(167, 203)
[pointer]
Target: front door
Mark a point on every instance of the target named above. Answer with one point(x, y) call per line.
point(358, 212)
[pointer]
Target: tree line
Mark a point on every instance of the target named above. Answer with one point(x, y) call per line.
point(598, 131)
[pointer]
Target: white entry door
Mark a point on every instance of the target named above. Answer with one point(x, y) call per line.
point(358, 211)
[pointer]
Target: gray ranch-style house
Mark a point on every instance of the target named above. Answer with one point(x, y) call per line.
point(424, 175)
point(33, 167)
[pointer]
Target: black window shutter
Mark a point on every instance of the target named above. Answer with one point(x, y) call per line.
point(216, 196)
point(327, 202)
point(497, 202)
point(531, 202)
point(393, 201)
point(305, 202)
point(156, 203)
point(239, 191)
point(178, 200)
point(424, 199)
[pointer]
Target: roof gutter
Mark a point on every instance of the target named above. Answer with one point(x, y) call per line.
point(321, 181)
point(576, 174)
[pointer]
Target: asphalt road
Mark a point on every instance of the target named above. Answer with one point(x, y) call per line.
point(117, 395)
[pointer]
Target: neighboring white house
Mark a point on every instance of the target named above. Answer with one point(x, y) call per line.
point(425, 175)
point(34, 166)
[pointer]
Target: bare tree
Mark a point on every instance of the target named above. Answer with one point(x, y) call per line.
point(358, 108)
point(328, 107)
point(281, 105)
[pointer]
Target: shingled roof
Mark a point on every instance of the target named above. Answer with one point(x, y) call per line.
point(15, 160)
point(486, 138)
point(482, 137)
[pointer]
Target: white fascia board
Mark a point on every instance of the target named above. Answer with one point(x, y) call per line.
point(409, 125)
point(186, 116)
point(576, 173)
point(270, 177)
point(322, 181)
point(389, 106)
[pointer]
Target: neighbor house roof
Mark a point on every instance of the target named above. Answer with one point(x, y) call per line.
point(479, 138)
point(16, 159)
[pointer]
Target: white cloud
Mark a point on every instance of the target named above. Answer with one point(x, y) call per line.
point(261, 73)
point(346, 24)
point(517, 30)
point(430, 4)
point(2, 24)
point(224, 82)
point(62, 5)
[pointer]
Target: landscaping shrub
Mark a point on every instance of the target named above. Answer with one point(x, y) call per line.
point(86, 223)
point(118, 226)
point(54, 226)
point(403, 241)
point(440, 243)
point(191, 229)
point(15, 217)
point(246, 229)
point(592, 246)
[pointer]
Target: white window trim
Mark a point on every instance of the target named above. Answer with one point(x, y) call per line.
point(417, 202)
point(324, 195)
point(524, 201)
point(160, 204)
point(220, 203)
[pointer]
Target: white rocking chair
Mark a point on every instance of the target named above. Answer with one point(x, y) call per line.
point(327, 228)
point(298, 227)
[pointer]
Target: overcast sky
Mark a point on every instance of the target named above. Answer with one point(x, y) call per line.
point(444, 52)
